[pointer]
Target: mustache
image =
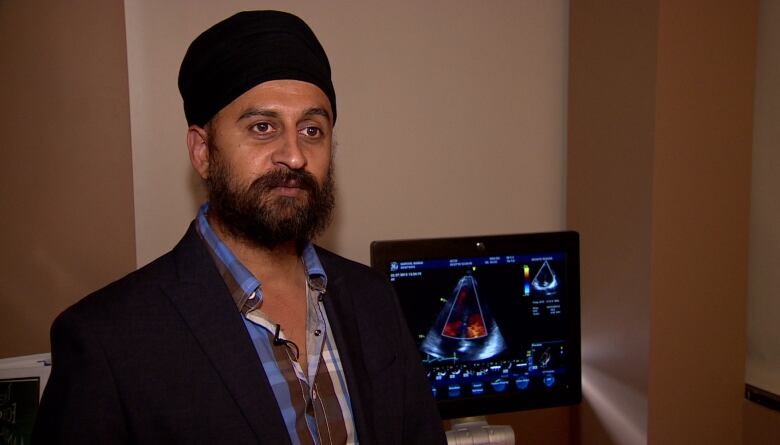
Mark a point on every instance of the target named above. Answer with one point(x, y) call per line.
point(286, 178)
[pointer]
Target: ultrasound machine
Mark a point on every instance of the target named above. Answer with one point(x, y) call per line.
point(496, 320)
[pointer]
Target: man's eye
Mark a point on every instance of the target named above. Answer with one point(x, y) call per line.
point(311, 132)
point(262, 127)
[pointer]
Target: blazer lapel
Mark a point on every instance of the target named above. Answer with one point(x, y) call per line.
point(203, 301)
point(340, 310)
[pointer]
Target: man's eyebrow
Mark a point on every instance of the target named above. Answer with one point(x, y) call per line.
point(254, 112)
point(317, 111)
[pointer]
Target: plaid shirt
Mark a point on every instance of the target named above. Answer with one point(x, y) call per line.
point(315, 405)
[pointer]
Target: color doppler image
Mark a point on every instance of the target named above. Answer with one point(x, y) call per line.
point(464, 328)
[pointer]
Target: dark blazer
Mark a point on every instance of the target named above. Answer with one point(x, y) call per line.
point(162, 356)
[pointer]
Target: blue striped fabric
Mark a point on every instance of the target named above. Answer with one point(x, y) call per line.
point(315, 405)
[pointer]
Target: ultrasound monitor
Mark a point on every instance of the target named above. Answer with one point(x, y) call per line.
point(496, 318)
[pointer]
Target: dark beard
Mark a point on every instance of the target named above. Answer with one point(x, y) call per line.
point(257, 216)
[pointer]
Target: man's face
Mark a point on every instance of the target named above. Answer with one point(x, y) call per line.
point(269, 167)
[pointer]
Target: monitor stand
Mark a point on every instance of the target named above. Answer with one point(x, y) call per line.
point(476, 431)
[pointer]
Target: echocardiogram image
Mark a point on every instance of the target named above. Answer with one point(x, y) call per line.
point(465, 327)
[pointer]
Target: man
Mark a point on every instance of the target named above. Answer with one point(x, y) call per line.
point(245, 332)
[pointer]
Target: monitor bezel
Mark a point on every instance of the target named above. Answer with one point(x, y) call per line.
point(385, 251)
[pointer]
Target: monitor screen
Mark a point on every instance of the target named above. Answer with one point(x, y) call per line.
point(496, 318)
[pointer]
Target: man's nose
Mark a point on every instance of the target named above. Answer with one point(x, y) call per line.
point(289, 153)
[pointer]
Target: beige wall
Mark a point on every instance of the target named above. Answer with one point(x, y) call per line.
point(451, 116)
point(763, 366)
point(612, 56)
point(762, 425)
point(701, 195)
point(660, 124)
point(66, 191)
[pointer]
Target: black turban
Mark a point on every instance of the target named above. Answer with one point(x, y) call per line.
point(245, 50)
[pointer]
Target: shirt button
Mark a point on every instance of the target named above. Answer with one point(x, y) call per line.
point(317, 332)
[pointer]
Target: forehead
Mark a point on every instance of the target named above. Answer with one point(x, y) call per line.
point(283, 96)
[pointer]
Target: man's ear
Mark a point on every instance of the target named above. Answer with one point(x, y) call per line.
point(197, 144)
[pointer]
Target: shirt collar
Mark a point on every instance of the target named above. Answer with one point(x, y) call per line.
point(248, 283)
